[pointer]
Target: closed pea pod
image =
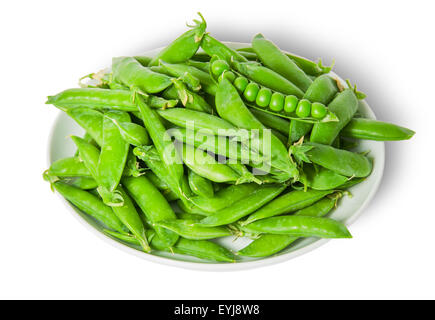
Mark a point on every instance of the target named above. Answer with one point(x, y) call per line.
point(84, 183)
point(214, 47)
point(204, 249)
point(192, 230)
point(199, 185)
point(272, 121)
point(319, 178)
point(68, 167)
point(131, 132)
point(291, 201)
point(262, 195)
point(184, 47)
point(90, 120)
point(152, 203)
point(360, 128)
point(275, 59)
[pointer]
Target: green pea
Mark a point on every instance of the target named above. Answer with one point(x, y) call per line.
point(251, 92)
point(263, 97)
point(276, 102)
point(230, 76)
point(318, 110)
point(290, 103)
point(240, 83)
point(303, 109)
point(219, 66)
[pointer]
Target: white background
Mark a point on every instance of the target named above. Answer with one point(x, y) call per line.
point(386, 47)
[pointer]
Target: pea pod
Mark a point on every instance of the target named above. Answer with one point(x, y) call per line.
point(214, 47)
point(204, 249)
point(143, 60)
point(184, 47)
point(346, 163)
point(199, 185)
point(68, 167)
point(300, 226)
point(131, 132)
point(272, 57)
point(272, 121)
point(360, 128)
point(190, 100)
point(192, 230)
point(323, 89)
point(161, 185)
point(200, 65)
point(130, 72)
point(90, 205)
point(291, 201)
point(267, 78)
point(319, 178)
point(90, 120)
point(152, 204)
point(344, 106)
point(84, 183)
point(262, 195)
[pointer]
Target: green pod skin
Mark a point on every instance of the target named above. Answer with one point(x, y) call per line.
point(84, 183)
point(251, 56)
point(219, 145)
point(368, 129)
point(90, 205)
point(152, 203)
point(323, 89)
point(223, 198)
point(271, 121)
point(143, 60)
point(162, 186)
point(289, 202)
point(230, 107)
point(190, 100)
point(201, 57)
point(204, 249)
point(190, 229)
point(202, 121)
point(199, 65)
point(189, 216)
point(300, 226)
point(114, 151)
point(245, 175)
point(191, 208)
point(199, 185)
point(89, 155)
point(130, 218)
point(272, 57)
point(98, 98)
point(132, 133)
point(350, 183)
point(90, 120)
point(205, 165)
point(262, 195)
point(214, 47)
point(344, 106)
point(179, 70)
point(185, 46)
point(346, 163)
point(164, 147)
point(131, 73)
point(268, 78)
point(322, 178)
point(269, 244)
point(68, 167)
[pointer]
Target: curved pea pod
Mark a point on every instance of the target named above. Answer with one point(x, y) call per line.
point(130, 218)
point(262, 195)
point(131, 132)
point(267, 78)
point(190, 100)
point(162, 142)
point(346, 163)
point(98, 98)
point(90, 120)
point(184, 47)
point(288, 202)
point(200, 120)
point(90, 205)
point(68, 167)
point(300, 226)
point(152, 203)
point(230, 107)
point(204, 249)
point(200, 65)
point(179, 70)
point(319, 178)
point(205, 165)
point(344, 106)
point(131, 73)
point(272, 57)
point(322, 90)
point(368, 129)
point(192, 230)
point(84, 183)
point(161, 185)
point(199, 185)
point(272, 121)
point(224, 198)
point(114, 151)
point(214, 47)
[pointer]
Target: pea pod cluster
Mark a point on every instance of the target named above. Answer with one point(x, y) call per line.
point(202, 142)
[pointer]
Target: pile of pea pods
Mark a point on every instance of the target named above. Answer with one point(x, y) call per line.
point(202, 141)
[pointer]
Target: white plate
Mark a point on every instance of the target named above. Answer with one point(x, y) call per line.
point(349, 208)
